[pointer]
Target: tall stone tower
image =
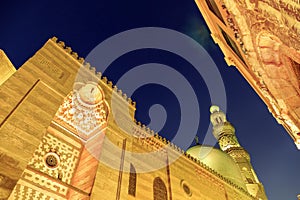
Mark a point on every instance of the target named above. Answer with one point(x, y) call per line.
point(262, 39)
point(224, 132)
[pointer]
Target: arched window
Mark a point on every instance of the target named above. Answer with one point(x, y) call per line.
point(132, 181)
point(214, 8)
point(159, 189)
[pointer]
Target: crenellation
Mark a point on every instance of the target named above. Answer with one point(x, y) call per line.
point(68, 50)
point(130, 101)
point(86, 65)
point(61, 44)
point(119, 91)
point(110, 84)
point(152, 132)
point(74, 54)
point(160, 137)
point(99, 75)
point(54, 39)
point(93, 70)
point(185, 154)
point(212, 171)
point(133, 104)
point(147, 129)
point(145, 139)
point(177, 148)
point(104, 79)
point(139, 123)
point(81, 60)
point(115, 88)
point(188, 156)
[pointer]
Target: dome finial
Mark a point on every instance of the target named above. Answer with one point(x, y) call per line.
point(197, 140)
point(217, 117)
point(214, 108)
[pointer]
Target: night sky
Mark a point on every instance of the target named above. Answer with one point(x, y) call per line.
point(26, 25)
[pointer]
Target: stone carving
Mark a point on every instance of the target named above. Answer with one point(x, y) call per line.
point(287, 7)
point(270, 33)
point(36, 186)
point(68, 156)
point(84, 110)
point(52, 160)
point(23, 192)
point(281, 70)
point(276, 22)
point(228, 141)
point(45, 182)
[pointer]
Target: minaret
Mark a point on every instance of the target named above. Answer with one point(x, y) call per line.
point(224, 132)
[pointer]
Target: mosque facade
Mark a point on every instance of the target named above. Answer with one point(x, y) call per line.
point(69, 133)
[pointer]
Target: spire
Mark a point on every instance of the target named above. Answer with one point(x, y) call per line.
point(197, 140)
point(223, 130)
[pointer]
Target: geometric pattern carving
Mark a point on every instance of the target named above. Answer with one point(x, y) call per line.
point(85, 111)
point(228, 141)
point(35, 186)
point(68, 156)
point(24, 192)
point(42, 181)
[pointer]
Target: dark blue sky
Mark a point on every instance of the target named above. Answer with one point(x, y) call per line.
point(26, 25)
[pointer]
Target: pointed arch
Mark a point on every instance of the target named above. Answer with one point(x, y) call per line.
point(159, 189)
point(132, 181)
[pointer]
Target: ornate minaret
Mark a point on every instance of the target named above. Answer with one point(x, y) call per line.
point(224, 132)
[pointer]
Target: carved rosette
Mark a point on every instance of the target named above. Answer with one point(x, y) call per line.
point(84, 111)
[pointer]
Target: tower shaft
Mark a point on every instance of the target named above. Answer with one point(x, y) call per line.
point(224, 132)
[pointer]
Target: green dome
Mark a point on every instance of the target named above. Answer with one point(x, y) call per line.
point(219, 161)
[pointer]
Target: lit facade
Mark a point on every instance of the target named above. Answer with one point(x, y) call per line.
point(261, 38)
point(68, 133)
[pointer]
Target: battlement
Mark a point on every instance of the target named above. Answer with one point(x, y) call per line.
point(143, 134)
point(86, 67)
point(150, 139)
